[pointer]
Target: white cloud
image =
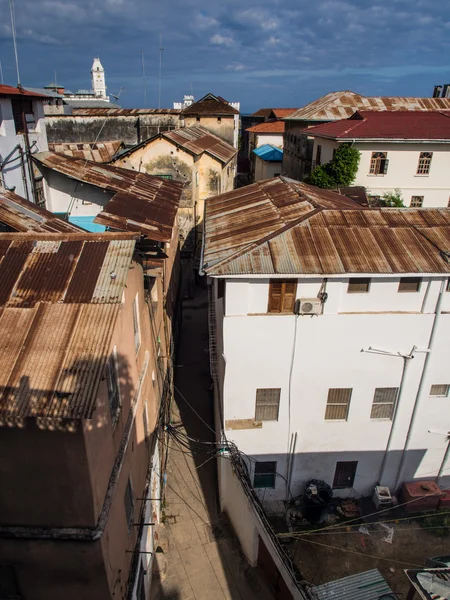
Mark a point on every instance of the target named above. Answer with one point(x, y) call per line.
point(235, 67)
point(221, 40)
point(205, 21)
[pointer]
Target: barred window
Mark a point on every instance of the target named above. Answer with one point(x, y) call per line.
point(384, 403)
point(338, 404)
point(379, 163)
point(129, 504)
point(439, 389)
point(416, 201)
point(344, 475)
point(423, 168)
point(113, 386)
point(267, 404)
point(358, 285)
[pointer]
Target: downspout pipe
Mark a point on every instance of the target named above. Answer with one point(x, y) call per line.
point(444, 461)
point(421, 383)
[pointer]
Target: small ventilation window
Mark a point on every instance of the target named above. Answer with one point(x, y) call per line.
point(267, 404)
point(409, 284)
point(358, 285)
point(439, 389)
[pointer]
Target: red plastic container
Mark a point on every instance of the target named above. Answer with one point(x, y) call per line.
point(421, 496)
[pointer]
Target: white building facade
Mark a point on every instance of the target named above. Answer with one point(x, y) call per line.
point(390, 161)
point(332, 356)
point(22, 134)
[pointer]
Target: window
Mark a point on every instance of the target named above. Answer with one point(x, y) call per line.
point(198, 119)
point(423, 168)
point(409, 284)
point(282, 296)
point(20, 108)
point(358, 285)
point(338, 403)
point(113, 386)
point(136, 327)
point(265, 473)
point(129, 504)
point(219, 119)
point(9, 590)
point(318, 155)
point(416, 201)
point(439, 389)
point(383, 403)
point(267, 404)
point(344, 475)
point(379, 163)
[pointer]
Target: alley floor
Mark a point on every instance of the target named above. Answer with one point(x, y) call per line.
point(199, 555)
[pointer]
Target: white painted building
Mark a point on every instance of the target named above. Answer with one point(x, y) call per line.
point(22, 133)
point(331, 323)
point(409, 151)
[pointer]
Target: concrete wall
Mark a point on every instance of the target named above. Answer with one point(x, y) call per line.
point(131, 129)
point(266, 170)
point(258, 349)
point(402, 170)
point(64, 479)
point(224, 127)
point(16, 170)
point(63, 193)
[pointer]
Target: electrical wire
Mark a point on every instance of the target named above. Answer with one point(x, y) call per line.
point(391, 560)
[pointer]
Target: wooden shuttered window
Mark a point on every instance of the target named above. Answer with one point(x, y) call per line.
point(383, 403)
point(267, 404)
point(344, 476)
point(338, 403)
point(358, 285)
point(282, 295)
point(439, 389)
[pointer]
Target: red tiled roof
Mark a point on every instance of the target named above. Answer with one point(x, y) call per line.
point(8, 90)
point(396, 125)
point(268, 127)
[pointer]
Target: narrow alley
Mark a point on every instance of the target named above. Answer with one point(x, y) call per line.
point(199, 555)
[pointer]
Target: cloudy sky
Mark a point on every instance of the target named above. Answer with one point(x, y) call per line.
point(278, 53)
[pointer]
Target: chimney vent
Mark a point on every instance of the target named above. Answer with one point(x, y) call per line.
point(437, 91)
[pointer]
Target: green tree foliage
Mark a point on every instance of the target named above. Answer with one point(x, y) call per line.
point(392, 199)
point(339, 172)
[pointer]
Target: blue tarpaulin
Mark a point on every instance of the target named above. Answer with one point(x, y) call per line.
point(269, 153)
point(87, 223)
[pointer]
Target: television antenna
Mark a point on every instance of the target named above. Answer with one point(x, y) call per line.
point(160, 69)
point(13, 29)
point(144, 81)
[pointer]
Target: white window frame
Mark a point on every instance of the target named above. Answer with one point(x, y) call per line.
point(136, 324)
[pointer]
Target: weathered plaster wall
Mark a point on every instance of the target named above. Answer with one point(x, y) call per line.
point(224, 127)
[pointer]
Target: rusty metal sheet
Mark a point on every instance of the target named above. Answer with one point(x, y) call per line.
point(11, 267)
point(341, 105)
point(86, 273)
point(21, 215)
point(119, 112)
point(135, 193)
point(197, 140)
point(101, 152)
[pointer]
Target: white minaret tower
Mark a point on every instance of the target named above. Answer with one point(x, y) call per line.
point(98, 79)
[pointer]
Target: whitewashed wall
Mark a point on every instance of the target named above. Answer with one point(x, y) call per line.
point(60, 190)
point(258, 349)
point(12, 173)
point(266, 170)
point(274, 139)
point(403, 160)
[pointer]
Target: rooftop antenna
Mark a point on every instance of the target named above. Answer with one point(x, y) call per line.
point(144, 82)
point(160, 68)
point(13, 29)
point(1, 73)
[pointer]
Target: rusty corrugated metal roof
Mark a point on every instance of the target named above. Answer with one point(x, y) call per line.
point(8, 90)
point(341, 105)
point(287, 227)
point(21, 215)
point(59, 301)
point(101, 152)
point(141, 203)
point(210, 105)
point(119, 112)
point(198, 140)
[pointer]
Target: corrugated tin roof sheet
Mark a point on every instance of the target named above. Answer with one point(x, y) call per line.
point(395, 125)
point(21, 215)
point(120, 112)
point(369, 585)
point(210, 105)
point(341, 105)
point(197, 140)
point(101, 152)
point(8, 90)
point(268, 127)
point(141, 203)
point(59, 301)
point(304, 230)
point(269, 153)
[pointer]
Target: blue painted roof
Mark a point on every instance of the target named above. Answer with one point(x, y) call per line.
point(269, 153)
point(87, 223)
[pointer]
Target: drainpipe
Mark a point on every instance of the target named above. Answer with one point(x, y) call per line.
point(421, 383)
point(28, 159)
point(406, 360)
point(444, 460)
point(24, 174)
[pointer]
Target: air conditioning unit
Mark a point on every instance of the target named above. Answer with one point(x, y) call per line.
point(308, 306)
